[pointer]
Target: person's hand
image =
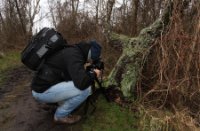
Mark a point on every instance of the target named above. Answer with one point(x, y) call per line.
point(98, 72)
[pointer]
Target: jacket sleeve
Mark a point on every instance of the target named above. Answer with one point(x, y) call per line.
point(75, 67)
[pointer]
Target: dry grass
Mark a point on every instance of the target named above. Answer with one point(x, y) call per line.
point(160, 120)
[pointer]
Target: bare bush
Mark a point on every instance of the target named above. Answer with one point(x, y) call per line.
point(171, 74)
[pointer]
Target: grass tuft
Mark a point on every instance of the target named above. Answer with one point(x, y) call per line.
point(7, 62)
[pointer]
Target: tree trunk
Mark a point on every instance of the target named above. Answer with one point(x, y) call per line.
point(21, 19)
point(97, 13)
point(35, 9)
point(135, 4)
point(126, 72)
point(109, 8)
point(2, 20)
point(51, 7)
point(74, 4)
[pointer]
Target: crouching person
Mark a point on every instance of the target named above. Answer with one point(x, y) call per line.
point(62, 79)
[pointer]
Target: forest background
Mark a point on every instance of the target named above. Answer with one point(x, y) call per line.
point(167, 92)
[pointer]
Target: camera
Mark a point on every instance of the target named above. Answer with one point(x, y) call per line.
point(96, 65)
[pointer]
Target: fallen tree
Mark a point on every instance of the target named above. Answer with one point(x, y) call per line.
point(126, 72)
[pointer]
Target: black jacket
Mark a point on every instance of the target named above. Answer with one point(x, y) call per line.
point(65, 65)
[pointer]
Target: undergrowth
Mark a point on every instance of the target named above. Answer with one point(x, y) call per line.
point(171, 76)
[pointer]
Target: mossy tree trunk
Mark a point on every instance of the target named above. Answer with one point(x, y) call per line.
point(126, 72)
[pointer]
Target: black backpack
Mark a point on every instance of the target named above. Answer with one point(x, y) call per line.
point(43, 44)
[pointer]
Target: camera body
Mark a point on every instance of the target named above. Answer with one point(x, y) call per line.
point(96, 65)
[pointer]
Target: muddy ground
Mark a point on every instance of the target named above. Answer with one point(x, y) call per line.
point(20, 112)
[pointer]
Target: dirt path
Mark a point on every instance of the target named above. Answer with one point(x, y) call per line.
point(20, 112)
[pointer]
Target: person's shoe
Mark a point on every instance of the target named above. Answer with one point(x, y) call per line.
point(71, 119)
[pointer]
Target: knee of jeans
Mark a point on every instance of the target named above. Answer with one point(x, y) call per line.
point(34, 94)
point(89, 90)
point(36, 97)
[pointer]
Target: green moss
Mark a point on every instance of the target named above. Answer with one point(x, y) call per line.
point(124, 39)
point(131, 43)
point(129, 61)
point(153, 29)
point(129, 79)
point(111, 78)
point(133, 52)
